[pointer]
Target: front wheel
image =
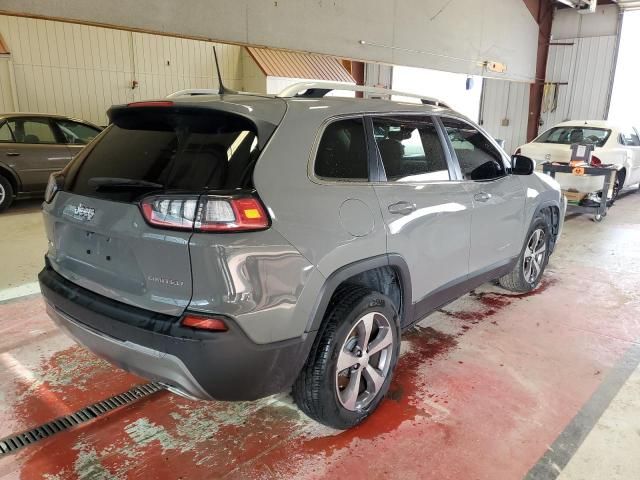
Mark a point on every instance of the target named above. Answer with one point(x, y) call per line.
point(527, 272)
point(349, 369)
point(6, 193)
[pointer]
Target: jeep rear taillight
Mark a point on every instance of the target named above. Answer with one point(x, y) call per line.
point(205, 213)
point(232, 214)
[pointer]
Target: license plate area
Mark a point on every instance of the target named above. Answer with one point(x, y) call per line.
point(90, 246)
point(97, 257)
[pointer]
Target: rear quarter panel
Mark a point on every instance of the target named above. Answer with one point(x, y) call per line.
point(331, 224)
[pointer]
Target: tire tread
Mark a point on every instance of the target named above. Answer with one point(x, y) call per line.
point(306, 389)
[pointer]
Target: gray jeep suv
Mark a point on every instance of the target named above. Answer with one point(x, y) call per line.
point(235, 246)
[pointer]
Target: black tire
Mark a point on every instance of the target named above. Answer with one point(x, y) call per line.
point(516, 280)
point(617, 186)
point(6, 193)
point(316, 390)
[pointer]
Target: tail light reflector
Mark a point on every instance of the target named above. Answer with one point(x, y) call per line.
point(204, 323)
point(595, 161)
point(206, 213)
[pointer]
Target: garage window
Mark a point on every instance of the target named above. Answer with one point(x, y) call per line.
point(342, 153)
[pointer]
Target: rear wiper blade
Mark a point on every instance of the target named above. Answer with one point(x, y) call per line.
point(115, 182)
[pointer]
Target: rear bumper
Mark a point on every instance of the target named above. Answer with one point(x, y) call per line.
point(206, 365)
point(138, 359)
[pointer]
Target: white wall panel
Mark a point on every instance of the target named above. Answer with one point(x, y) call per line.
point(587, 66)
point(506, 100)
point(567, 23)
point(456, 36)
point(81, 70)
point(6, 92)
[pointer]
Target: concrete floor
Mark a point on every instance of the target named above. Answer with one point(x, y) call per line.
point(494, 386)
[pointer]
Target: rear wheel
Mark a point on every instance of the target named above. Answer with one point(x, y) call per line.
point(6, 193)
point(527, 272)
point(349, 369)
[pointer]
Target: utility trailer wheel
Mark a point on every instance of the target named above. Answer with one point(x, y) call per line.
point(598, 217)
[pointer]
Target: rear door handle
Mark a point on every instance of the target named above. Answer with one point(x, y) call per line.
point(482, 196)
point(402, 208)
point(13, 154)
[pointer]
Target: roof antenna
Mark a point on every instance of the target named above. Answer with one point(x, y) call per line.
point(221, 88)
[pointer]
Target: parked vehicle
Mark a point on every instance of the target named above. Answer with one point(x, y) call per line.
point(34, 145)
point(235, 246)
point(613, 144)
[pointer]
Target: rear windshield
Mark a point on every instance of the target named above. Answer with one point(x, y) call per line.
point(157, 149)
point(575, 134)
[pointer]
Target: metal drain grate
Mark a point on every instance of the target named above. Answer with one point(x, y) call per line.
point(15, 442)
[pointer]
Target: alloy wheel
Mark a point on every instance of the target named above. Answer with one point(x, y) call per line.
point(364, 361)
point(2, 194)
point(534, 254)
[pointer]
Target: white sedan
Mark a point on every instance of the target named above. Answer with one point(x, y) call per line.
point(613, 144)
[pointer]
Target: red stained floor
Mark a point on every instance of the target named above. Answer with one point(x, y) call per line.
point(478, 394)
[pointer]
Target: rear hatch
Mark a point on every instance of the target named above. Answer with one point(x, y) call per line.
point(128, 205)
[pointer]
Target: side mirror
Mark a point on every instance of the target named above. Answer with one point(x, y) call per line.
point(500, 142)
point(521, 165)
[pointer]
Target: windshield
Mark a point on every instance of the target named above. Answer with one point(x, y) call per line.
point(186, 151)
point(569, 135)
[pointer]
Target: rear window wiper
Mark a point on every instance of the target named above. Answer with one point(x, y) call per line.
point(124, 183)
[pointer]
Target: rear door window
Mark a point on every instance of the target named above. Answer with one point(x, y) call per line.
point(76, 133)
point(342, 152)
point(629, 137)
point(478, 158)
point(410, 149)
point(191, 150)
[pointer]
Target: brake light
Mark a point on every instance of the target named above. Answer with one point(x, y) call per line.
point(154, 103)
point(170, 211)
point(206, 213)
point(204, 323)
point(595, 161)
point(231, 214)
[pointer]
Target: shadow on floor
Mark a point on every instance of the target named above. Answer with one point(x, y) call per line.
point(19, 207)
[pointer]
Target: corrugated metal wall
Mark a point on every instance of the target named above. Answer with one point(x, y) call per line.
point(80, 70)
point(6, 91)
point(587, 66)
point(505, 100)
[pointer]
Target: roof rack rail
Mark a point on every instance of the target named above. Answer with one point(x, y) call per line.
point(320, 89)
point(190, 92)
